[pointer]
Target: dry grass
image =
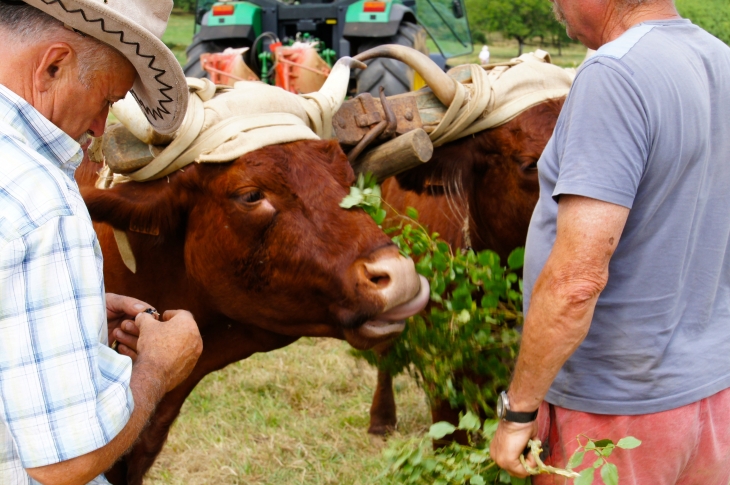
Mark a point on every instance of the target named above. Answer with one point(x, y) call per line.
point(298, 415)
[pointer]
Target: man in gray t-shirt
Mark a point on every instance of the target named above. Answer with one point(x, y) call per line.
point(627, 271)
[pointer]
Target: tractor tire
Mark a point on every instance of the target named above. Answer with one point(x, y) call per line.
point(192, 68)
point(394, 76)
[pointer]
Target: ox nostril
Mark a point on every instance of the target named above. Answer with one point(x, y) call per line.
point(380, 281)
point(391, 277)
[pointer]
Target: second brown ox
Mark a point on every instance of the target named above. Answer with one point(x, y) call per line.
point(478, 191)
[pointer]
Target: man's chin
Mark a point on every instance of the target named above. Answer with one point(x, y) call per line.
point(84, 140)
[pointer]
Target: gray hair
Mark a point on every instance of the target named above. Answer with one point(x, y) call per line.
point(28, 24)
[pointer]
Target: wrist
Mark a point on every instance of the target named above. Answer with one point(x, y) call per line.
point(519, 404)
point(507, 412)
point(150, 378)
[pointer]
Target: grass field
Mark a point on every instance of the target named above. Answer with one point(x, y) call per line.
point(298, 415)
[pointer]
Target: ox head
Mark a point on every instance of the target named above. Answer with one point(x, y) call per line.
point(264, 241)
point(490, 177)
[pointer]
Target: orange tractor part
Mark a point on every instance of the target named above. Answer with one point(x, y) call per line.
point(227, 67)
point(299, 68)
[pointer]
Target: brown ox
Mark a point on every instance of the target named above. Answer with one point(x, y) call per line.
point(489, 180)
point(260, 252)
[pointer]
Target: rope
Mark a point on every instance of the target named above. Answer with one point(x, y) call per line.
point(499, 94)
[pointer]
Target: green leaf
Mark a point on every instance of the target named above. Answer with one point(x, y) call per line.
point(379, 216)
point(609, 474)
point(470, 422)
point(608, 450)
point(603, 443)
point(477, 480)
point(576, 459)
point(412, 213)
point(516, 258)
point(504, 477)
point(441, 429)
point(490, 427)
point(628, 443)
point(518, 481)
point(352, 200)
point(463, 317)
point(478, 457)
point(585, 478)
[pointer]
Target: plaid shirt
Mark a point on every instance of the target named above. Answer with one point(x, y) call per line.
point(63, 391)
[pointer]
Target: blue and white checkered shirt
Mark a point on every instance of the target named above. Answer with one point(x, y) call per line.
point(63, 391)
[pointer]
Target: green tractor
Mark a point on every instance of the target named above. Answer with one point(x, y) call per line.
point(340, 27)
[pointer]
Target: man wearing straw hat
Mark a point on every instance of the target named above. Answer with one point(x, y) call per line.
point(627, 264)
point(69, 405)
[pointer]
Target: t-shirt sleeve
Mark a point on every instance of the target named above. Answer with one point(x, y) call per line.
point(603, 137)
point(63, 391)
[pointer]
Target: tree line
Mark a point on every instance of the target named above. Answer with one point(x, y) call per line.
point(526, 20)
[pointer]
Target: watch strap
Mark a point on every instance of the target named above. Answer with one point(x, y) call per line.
point(517, 417)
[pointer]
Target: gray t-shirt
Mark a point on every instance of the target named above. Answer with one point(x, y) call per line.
point(647, 126)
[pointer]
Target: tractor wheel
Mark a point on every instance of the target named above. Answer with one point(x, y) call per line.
point(192, 67)
point(394, 76)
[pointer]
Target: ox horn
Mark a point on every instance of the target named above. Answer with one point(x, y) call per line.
point(335, 86)
point(443, 86)
point(130, 114)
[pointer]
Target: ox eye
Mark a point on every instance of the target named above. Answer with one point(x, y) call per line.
point(528, 164)
point(251, 197)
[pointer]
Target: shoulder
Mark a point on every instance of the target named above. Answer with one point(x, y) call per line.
point(32, 189)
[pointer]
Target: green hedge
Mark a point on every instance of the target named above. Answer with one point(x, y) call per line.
point(711, 15)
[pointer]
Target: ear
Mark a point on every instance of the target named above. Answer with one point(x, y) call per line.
point(56, 63)
point(155, 208)
point(342, 170)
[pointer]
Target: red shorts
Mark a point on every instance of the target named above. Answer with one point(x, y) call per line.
point(689, 445)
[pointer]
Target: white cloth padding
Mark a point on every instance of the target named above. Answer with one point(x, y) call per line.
point(499, 94)
point(224, 123)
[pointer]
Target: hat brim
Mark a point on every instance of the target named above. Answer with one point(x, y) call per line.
point(160, 87)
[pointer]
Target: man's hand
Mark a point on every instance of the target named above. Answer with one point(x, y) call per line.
point(172, 345)
point(167, 353)
point(120, 311)
point(509, 443)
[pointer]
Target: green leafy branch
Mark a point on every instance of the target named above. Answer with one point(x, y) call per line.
point(415, 462)
point(462, 348)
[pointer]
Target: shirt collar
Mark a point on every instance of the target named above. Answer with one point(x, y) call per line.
point(39, 133)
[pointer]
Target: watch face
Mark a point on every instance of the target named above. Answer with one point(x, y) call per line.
point(500, 407)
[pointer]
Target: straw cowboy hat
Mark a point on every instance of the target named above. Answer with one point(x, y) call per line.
point(134, 28)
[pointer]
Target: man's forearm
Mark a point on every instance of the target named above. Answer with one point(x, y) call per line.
point(558, 320)
point(565, 294)
point(147, 389)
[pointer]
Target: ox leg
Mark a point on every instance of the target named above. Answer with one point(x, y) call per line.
point(442, 411)
point(383, 416)
point(221, 347)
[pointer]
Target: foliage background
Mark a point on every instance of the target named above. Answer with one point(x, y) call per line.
point(529, 19)
point(711, 15)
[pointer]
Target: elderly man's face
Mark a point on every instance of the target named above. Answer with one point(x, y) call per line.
point(79, 110)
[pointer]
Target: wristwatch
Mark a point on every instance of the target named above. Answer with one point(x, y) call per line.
point(503, 411)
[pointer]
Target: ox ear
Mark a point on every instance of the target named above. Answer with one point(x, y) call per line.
point(341, 168)
point(428, 176)
point(154, 208)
